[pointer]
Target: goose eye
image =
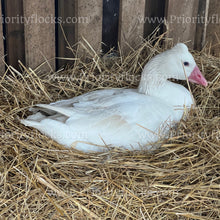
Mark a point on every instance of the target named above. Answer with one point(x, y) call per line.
point(186, 63)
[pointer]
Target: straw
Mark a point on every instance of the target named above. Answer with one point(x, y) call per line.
point(40, 179)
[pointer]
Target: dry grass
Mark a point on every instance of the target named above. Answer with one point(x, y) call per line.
point(40, 179)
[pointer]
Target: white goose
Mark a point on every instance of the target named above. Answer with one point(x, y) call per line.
point(128, 118)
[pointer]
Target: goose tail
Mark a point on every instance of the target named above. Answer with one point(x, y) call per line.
point(31, 123)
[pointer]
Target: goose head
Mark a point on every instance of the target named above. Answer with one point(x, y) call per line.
point(176, 63)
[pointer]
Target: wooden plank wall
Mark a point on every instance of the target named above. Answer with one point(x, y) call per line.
point(155, 12)
point(14, 33)
point(40, 36)
point(40, 39)
point(66, 31)
point(213, 27)
point(201, 27)
point(181, 26)
point(110, 25)
point(92, 30)
point(131, 30)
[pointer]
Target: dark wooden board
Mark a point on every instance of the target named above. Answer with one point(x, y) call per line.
point(66, 31)
point(15, 47)
point(110, 24)
point(154, 15)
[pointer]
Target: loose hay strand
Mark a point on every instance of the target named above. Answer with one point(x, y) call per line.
point(41, 179)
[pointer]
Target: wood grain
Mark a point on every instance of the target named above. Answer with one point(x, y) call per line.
point(90, 27)
point(201, 27)
point(181, 18)
point(131, 29)
point(15, 47)
point(110, 25)
point(66, 31)
point(213, 27)
point(154, 15)
point(40, 34)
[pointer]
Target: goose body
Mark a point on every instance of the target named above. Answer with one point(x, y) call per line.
point(128, 118)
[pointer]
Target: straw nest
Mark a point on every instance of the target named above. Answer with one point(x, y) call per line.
point(39, 179)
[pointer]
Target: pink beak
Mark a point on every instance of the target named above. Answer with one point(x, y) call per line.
point(197, 77)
